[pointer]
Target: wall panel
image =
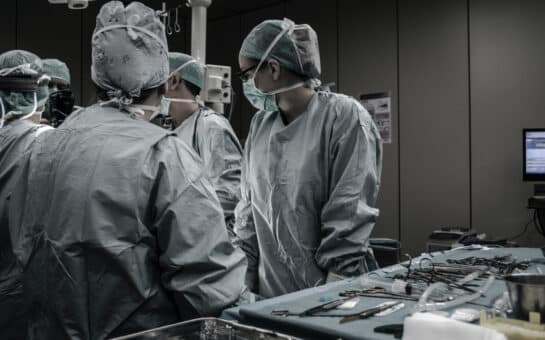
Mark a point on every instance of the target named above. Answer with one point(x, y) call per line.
point(433, 118)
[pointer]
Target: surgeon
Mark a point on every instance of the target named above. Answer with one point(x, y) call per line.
point(61, 99)
point(311, 169)
point(23, 92)
point(115, 222)
point(208, 132)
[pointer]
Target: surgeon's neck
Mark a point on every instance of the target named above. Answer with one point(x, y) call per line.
point(152, 100)
point(294, 102)
point(187, 110)
point(35, 118)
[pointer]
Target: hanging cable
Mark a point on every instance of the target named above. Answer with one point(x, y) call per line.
point(533, 219)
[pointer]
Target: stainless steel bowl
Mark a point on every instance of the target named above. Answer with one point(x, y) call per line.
point(527, 294)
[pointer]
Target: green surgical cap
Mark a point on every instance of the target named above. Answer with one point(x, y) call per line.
point(56, 69)
point(297, 49)
point(22, 102)
point(16, 58)
point(191, 72)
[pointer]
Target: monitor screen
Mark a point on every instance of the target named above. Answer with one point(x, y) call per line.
point(534, 154)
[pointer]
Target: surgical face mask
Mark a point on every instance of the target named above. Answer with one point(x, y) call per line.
point(266, 101)
point(165, 103)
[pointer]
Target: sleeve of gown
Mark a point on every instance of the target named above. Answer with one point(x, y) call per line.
point(244, 228)
point(222, 155)
point(349, 214)
point(199, 265)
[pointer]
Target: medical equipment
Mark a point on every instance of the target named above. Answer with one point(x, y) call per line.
point(527, 294)
point(424, 305)
point(500, 265)
point(207, 328)
point(166, 18)
point(396, 286)
point(378, 293)
point(313, 310)
point(72, 4)
point(217, 84)
point(380, 308)
point(515, 329)
point(447, 238)
point(395, 329)
point(60, 106)
point(217, 78)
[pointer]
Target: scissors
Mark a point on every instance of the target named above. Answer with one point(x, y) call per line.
point(313, 310)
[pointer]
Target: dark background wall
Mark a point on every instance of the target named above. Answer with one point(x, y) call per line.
point(465, 76)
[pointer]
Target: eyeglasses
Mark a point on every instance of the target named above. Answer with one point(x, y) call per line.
point(243, 75)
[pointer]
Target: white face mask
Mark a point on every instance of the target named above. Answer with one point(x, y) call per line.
point(165, 103)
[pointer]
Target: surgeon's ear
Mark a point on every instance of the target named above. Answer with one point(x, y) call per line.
point(274, 68)
point(174, 82)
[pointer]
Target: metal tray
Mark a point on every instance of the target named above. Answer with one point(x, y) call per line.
point(206, 329)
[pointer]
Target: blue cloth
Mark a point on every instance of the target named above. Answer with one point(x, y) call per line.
point(259, 314)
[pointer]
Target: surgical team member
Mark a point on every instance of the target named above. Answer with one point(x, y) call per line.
point(208, 132)
point(23, 92)
point(61, 99)
point(114, 221)
point(311, 170)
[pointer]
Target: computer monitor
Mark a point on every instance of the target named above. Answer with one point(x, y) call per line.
point(534, 155)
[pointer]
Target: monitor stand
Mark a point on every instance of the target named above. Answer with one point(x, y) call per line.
point(537, 201)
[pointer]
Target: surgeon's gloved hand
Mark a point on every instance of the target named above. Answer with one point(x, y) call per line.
point(247, 297)
point(334, 277)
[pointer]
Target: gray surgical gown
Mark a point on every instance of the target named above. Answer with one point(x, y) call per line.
point(213, 138)
point(308, 195)
point(15, 139)
point(119, 230)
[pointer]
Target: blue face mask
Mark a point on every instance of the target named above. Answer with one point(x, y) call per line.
point(265, 101)
point(258, 99)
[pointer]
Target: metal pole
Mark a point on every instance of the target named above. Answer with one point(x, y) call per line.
point(198, 29)
point(199, 10)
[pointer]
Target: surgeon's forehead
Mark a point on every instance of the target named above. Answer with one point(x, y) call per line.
point(57, 82)
point(245, 62)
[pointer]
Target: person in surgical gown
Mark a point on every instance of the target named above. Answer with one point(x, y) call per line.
point(115, 223)
point(311, 169)
point(61, 99)
point(23, 91)
point(208, 132)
